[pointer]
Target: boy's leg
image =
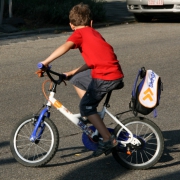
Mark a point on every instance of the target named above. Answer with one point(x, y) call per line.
point(109, 141)
point(88, 107)
point(99, 124)
point(81, 82)
point(80, 92)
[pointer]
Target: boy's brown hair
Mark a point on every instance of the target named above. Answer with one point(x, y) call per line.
point(80, 15)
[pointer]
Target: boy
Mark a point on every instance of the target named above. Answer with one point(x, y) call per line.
point(105, 70)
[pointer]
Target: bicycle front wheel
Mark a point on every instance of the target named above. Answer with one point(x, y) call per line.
point(36, 153)
point(152, 144)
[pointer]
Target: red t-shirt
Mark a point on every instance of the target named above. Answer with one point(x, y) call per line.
point(97, 53)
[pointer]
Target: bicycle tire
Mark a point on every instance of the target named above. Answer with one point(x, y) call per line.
point(152, 144)
point(38, 153)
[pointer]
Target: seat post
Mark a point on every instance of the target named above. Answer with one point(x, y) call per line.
point(107, 99)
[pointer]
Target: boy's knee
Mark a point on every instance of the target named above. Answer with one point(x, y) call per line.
point(87, 110)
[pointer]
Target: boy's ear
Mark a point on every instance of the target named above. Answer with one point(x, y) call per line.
point(91, 23)
point(72, 26)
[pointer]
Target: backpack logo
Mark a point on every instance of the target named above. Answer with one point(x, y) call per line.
point(148, 95)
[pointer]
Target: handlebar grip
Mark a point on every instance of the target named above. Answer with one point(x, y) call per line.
point(40, 65)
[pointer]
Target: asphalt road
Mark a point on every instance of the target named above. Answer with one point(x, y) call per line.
point(153, 45)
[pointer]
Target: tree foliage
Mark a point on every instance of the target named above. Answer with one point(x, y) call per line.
point(54, 11)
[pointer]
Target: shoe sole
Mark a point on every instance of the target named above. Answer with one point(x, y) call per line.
point(109, 150)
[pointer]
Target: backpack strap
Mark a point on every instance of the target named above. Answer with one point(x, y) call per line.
point(155, 113)
point(133, 99)
point(135, 84)
point(142, 74)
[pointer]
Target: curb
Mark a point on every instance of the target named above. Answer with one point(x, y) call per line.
point(58, 30)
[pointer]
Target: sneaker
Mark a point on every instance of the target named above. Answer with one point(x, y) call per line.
point(104, 147)
point(85, 120)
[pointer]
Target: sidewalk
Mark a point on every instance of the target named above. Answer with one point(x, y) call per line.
point(116, 13)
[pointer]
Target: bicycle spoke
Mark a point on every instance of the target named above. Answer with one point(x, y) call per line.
point(44, 140)
point(142, 157)
point(149, 153)
point(146, 154)
point(150, 149)
point(41, 148)
point(27, 129)
point(46, 145)
point(136, 158)
point(24, 145)
point(148, 137)
point(45, 132)
point(140, 130)
point(155, 144)
point(136, 129)
point(23, 136)
point(36, 156)
point(146, 133)
point(28, 151)
point(40, 151)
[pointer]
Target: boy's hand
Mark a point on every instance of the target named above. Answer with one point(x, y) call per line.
point(41, 71)
point(45, 66)
point(67, 76)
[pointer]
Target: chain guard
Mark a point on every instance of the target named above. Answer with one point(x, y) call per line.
point(88, 143)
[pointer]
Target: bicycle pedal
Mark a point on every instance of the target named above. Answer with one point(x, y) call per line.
point(108, 152)
point(85, 121)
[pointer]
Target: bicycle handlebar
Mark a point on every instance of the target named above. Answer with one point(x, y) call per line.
point(40, 66)
point(48, 70)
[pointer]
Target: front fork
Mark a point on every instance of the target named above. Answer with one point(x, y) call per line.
point(44, 113)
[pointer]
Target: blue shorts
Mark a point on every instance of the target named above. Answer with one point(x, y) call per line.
point(96, 89)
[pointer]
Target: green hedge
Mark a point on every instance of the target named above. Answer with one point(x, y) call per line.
point(54, 11)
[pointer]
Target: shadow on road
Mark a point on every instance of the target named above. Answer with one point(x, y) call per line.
point(106, 167)
point(166, 18)
point(3, 161)
point(5, 143)
point(110, 169)
point(78, 151)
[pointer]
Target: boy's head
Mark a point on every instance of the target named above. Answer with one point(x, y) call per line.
point(80, 15)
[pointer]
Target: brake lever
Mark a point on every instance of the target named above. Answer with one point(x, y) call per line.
point(40, 73)
point(62, 77)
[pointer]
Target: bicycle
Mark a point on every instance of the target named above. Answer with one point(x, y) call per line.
point(35, 139)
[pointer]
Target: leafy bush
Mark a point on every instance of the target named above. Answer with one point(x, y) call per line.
point(54, 11)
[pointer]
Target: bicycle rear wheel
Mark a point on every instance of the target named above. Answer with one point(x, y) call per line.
point(36, 153)
point(152, 144)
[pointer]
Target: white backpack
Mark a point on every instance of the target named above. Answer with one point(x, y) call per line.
point(146, 97)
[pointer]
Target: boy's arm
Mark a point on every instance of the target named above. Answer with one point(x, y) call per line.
point(58, 52)
point(77, 70)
